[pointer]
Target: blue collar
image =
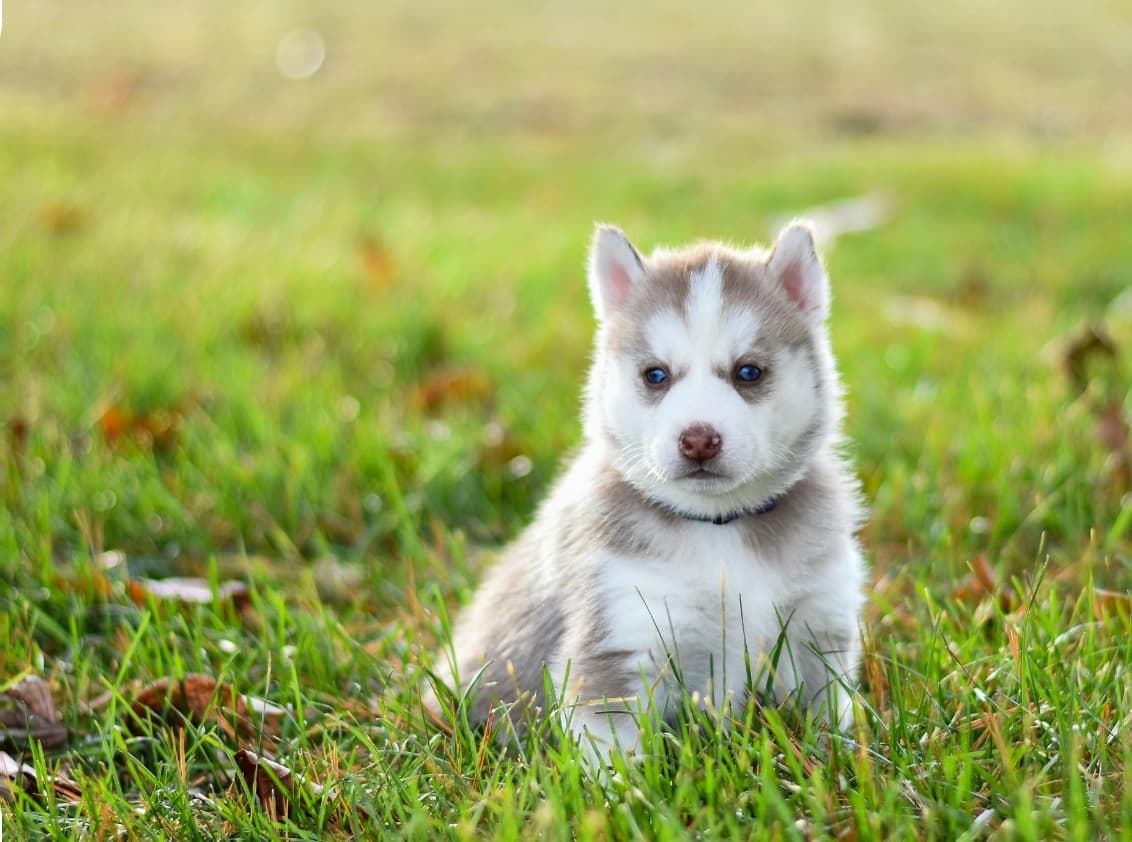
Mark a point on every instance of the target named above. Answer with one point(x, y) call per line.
point(720, 520)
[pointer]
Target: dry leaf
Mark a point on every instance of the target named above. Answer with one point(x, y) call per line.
point(1106, 389)
point(90, 584)
point(1112, 434)
point(278, 789)
point(199, 698)
point(156, 429)
point(196, 698)
point(63, 218)
point(377, 261)
point(36, 694)
point(14, 774)
point(500, 448)
point(452, 386)
point(27, 712)
point(974, 288)
point(18, 430)
point(984, 573)
point(1093, 340)
point(875, 677)
point(1112, 431)
point(271, 327)
point(97, 703)
point(191, 591)
point(114, 423)
point(269, 713)
point(980, 583)
point(1015, 643)
point(114, 90)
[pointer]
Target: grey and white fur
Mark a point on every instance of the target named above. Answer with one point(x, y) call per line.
point(707, 521)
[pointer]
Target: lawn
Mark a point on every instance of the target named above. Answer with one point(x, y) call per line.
point(319, 343)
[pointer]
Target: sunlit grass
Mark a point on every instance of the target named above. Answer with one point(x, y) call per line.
point(339, 359)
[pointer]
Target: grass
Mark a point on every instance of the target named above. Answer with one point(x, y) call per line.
point(326, 338)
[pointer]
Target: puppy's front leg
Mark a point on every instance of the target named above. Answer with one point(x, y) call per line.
point(823, 665)
point(601, 729)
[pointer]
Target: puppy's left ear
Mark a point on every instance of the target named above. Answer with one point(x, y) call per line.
point(795, 266)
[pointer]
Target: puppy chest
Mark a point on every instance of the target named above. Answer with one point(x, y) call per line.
point(708, 601)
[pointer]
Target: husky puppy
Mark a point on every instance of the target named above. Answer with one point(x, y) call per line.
point(702, 538)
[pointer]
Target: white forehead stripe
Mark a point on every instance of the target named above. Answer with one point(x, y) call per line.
point(705, 297)
point(708, 332)
point(726, 330)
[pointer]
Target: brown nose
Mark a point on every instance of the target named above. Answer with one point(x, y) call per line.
point(700, 442)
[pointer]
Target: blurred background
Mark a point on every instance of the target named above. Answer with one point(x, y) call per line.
point(303, 281)
point(652, 78)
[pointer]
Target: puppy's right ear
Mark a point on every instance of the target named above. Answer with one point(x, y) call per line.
point(615, 268)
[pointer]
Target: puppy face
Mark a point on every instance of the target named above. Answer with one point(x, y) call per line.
point(712, 381)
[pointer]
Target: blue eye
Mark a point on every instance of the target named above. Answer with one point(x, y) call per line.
point(656, 376)
point(748, 373)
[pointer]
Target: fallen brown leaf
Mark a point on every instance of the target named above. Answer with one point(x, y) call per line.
point(18, 430)
point(1112, 431)
point(269, 713)
point(114, 90)
point(196, 698)
point(280, 791)
point(974, 288)
point(15, 775)
point(199, 698)
point(91, 584)
point(36, 694)
point(876, 679)
point(192, 695)
point(96, 704)
point(447, 386)
point(27, 712)
point(1015, 643)
point(980, 583)
point(191, 591)
point(270, 327)
point(377, 261)
point(156, 429)
point(1104, 384)
point(63, 218)
point(14, 772)
point(500, 448)
point(1090, 342)
point(984, 573)
point(1112, 434)
point(115, 423)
